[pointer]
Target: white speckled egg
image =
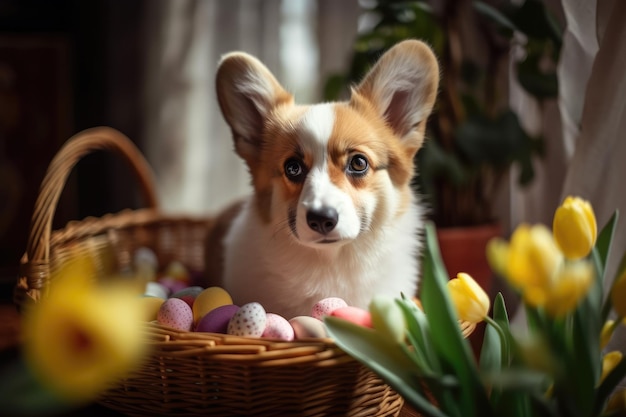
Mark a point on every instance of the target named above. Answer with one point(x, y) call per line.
point(277, 327)
point(175, 313)
point(249, 321)
point(326, 306)
point(306, 327)
point(155, 289)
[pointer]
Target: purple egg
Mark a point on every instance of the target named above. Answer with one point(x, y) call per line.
point(216, 320)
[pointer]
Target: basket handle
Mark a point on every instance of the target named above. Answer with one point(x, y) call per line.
point(78, 146)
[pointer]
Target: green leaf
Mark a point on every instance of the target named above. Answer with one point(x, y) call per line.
point(504, 24)
point(385, 358)
point(600, 255)
point(453, 350)
point(585, 358)
point(419, 336)
point(495, 353)
point(541, 84)
point(605, 238)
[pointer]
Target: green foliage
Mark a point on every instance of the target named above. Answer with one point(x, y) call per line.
point(473, 138)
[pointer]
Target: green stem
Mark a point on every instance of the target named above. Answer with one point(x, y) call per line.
point(503, 339)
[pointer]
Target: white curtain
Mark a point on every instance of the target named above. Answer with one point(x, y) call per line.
point(187, 142)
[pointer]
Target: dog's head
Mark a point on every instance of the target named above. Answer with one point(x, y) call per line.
point(330, 172)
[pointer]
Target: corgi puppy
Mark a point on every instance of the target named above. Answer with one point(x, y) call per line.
point(332, 213)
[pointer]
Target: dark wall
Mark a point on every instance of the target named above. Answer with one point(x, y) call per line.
point(65, 65)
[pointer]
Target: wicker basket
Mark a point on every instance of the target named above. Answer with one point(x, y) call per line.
point(191, 374)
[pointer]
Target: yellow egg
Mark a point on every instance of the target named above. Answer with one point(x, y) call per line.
point(150, 306)
point(209, 299)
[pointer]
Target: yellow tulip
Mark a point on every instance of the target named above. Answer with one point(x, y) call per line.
point(609, 362)
point(569, 287)
point(618, 295)
point(574, 227)
point(498, 255)
point(470, 300)
point(533, 261)
point(83, 336)
point(606, 333)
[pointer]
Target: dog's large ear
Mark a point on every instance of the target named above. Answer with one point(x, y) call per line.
point(402, 87)
point(247, 91)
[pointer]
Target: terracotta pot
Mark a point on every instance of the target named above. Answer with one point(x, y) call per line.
point(463, 250)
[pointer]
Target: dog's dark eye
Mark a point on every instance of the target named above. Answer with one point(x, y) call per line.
point(294, 170)
point(358, 165)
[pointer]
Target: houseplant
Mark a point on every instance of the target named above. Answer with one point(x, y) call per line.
point(473, 137)
point(555, 367)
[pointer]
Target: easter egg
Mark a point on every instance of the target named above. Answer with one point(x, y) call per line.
point(188, 294)
point(145, 256)
point(209, 299)
point(216, 320)
point(277, 327)
point(248, 321)
point(150, 306)
point(355, 315)
point(175, 313)
point(177, 271)
point(326, 306)
point(154, 289)
point(306, 327)
point(173, 285)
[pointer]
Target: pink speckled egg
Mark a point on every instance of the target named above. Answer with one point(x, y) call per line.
point(175, 313)
point(277, 327)
point(355, 315)
point(326, 306)
point(188, 294)
point(249, 321)
point(216, 320)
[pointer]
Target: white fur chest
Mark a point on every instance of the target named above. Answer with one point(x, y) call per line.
point(265, 265)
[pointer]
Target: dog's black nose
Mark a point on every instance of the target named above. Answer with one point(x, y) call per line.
point(322, 220)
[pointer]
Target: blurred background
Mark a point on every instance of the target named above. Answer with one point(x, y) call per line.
point(511, 69)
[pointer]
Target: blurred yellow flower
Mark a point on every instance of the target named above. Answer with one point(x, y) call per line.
point(574, 227)
point(533, 260)
point(470, 300)
point(606, 333)
point(569, 287)
point(534, 265)
point(83, 335)
point(609, 362)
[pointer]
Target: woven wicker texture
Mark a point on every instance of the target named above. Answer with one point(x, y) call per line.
point(190, 374)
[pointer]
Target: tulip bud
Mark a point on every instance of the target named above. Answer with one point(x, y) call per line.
point(574, 227)
point(470, 300)
point(387, 317)
point(609, 362)
point(606, 333)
